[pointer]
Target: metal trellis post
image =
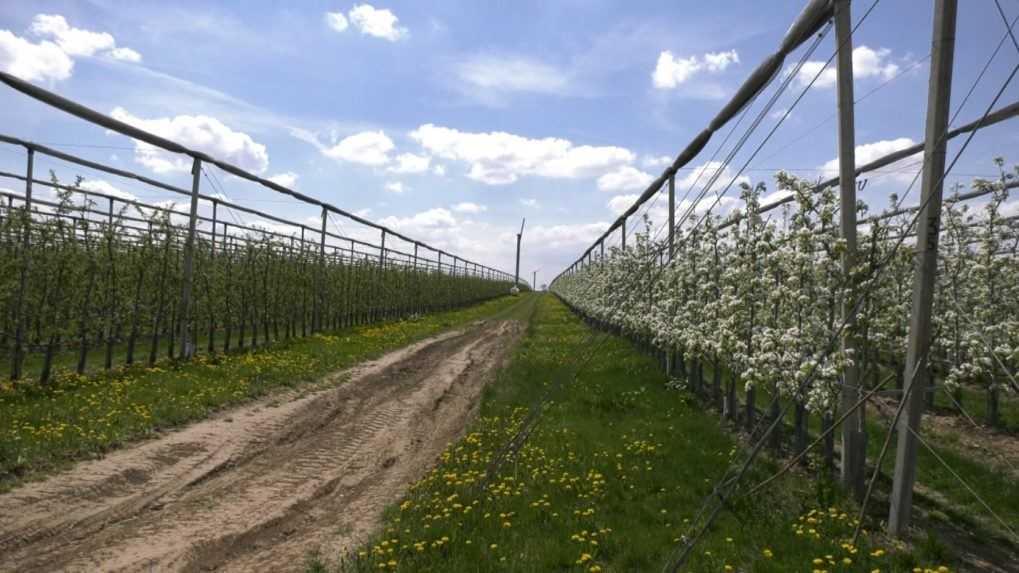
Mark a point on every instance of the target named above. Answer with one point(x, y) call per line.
point(853, 437)
point(187, 272)
point(926, 259)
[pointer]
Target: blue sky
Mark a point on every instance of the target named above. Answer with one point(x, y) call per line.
point(453, 120)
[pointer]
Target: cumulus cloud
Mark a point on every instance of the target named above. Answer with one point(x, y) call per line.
point(78, 42)
point(287, 179)
point(336, 20)
point(468, 207)
point(439, 170)
point(651, 161)
point(670, 72)
point(366, 148)
point(511, 74)
point(701, 175)
point(394, 187)
point(33, 61)
point(867, 63)
point(500, 158)
point(901, 171)
point(380, 23)
point(625, 178)
point(107, 188)
point(410, 163)
point(566, 236)
point(532, 203)
point(437, 217)
point(199, 132)
point(73, 41)
point(125, 55)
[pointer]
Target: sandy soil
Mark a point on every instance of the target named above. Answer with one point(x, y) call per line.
point(261, 486)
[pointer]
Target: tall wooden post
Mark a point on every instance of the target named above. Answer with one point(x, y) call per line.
point(622, 234)
point(26, 237)
point(382, 250)
point(853, 437)
point(187, 349)
point(926, 258)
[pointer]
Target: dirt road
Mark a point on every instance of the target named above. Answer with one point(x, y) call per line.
point(258, 487)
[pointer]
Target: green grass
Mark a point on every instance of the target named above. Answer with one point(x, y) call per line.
point(985, 473)
point(609, 481)
point(78, 417)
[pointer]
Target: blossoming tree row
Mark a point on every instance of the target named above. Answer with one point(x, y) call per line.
point(759, 297)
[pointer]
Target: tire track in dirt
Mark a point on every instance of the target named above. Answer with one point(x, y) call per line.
point(261, 486)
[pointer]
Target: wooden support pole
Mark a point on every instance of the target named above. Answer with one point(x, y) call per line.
point(187, 271)
point(622, 234)
point(926, 259)
point(853, 435)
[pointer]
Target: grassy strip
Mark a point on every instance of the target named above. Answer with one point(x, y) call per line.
point(609, 481)
point(77, 417)
point(984, 472)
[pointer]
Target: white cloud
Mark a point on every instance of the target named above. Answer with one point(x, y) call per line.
point(780, 113)
point(901, 171)
point(336, 20)
point(565, 236)
point(437, 217)
point(367, 148)
point(33, 62)
point(650, 161)
point(394, 187)
point(410, 163)
point(287, 179)
point(52, 58)
point(625, 178)
point(439, 170)
point(867, 63)
point(621, 203)
point(671, 72)
point(533, 203)
point(199, 132)
point(701, 175)
point(125, 55)
point(107, 188)
point(78, 42)
point(380, 23)
point(719, 61)
point(499, 158)
point(467, 207)
point(73, 41)
point(511, 74)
